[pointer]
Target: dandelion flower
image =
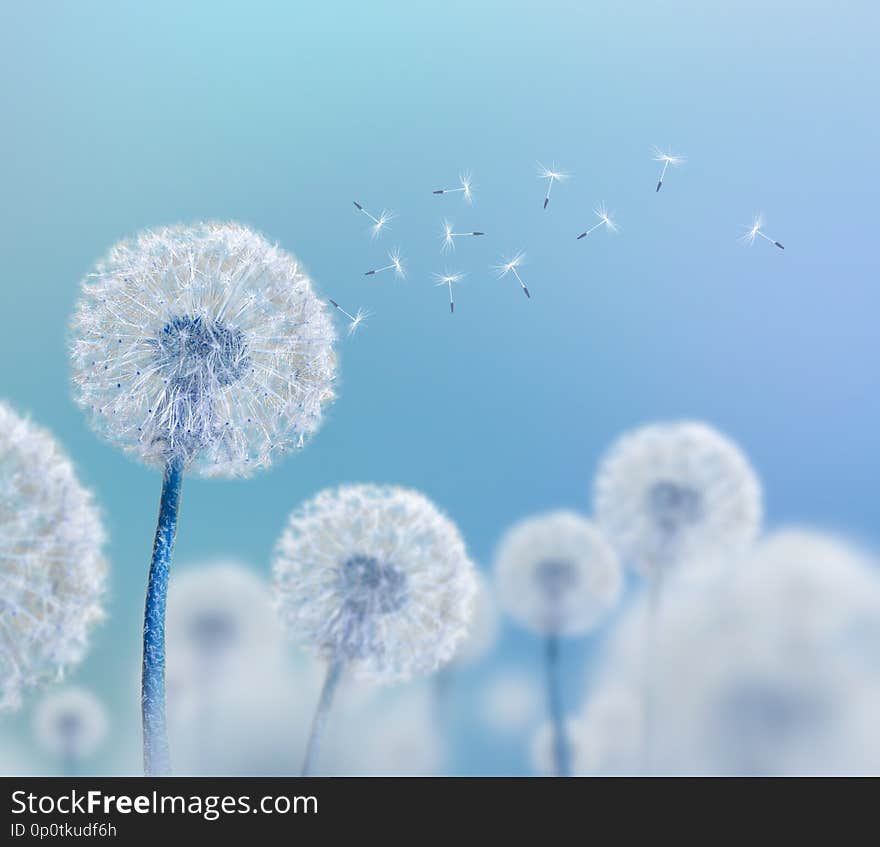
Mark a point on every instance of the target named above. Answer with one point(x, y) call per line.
point(71, 724)
point(375, 580)
point(200, 349)
point(557, 576)
point(52, 570)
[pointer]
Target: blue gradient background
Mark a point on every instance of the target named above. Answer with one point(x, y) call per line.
point(119, 116)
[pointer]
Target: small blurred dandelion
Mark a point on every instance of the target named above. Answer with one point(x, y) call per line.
point(204, 349)
point(396, 265)
point(465, 188)
point(52, 569)
point(551, 174)
point(755, 230)
point(558, 576)
point(448, 237)
point(356, 320)
point(667, 159)
point(449, 279)
point(509, 266)
point(376, 581)
point(71, 724)
point(604, 220)
point(380, 223)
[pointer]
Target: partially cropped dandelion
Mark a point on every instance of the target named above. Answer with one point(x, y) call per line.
point(465, 188)
point(52, 570)
point(203, 349)
point(551, 174)
point(604, 220)
point(448, 237)
point(558, 576)
point(376, 581)
point(449, 280)
point(674, 494)
point(356, 320)
point(396, 265)
point(380, 223)
point(71, 724)
point(510, 266)
point(667, 159)
point(757, 230)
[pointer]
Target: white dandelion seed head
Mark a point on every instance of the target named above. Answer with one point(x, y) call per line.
point(506, 266)
point(669, 158)
point(381, 223)
point(466, 182)
point(448, 278)
point(71, 723)
point(397, 261)
point(204, 344)
point(677, 493)
point(605, 216)
point(220, 611)
point(580, 752)
point(375, 577)
point(52, 570)
point(751, 233)
point(557, 574)
point(552, 173)
point(359, 320)
point(485, 624)
point(447, 238)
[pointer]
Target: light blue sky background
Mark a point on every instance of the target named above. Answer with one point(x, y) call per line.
point(119, 116)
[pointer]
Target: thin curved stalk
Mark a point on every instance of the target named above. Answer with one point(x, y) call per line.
point(561, 753)
point(155, 733)
point(331, 681)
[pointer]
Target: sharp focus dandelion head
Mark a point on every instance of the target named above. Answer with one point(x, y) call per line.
point(677, 493)
point(52, 570)
point(71, 724)
point(556, 574)
point(205, 344)
point(377, 578)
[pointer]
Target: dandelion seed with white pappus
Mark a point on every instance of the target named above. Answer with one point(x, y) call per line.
point(200, 349)
point(53, 574)
point(605, 220)
point(465, 188)
point(510, 266)
point(551, 174)
point(756, 230)
point(376, 581)
point(379, 224)
point(448, 237)
point(356, 320)
point(396, 266)
point(558, 576)
point(666, 159)
point(449, 279)
point(71, 724)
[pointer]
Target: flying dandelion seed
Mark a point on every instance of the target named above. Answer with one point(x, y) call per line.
point(71, 724)
point(449, 280)
point(376, 581)
point(379, 223)
point(667, 159)
point(53, 573)
point(552, 175)
point(604, 220)
point(396, 266)
point(354, 320)
point(448, 237)
point(510, 267)
point(755, 230)
point(204, 349)
point(465, 188)
point(558, 576)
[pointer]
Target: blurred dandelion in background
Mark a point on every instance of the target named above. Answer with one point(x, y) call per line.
point(551, 174)
point(666, 159)
point(465, 188)
point(70, 725)
point(376, 581)
point(557, 576)
point(201, 349)
point(53, 573)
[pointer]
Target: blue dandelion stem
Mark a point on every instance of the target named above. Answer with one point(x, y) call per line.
point(156, 759)
point(554, 705)
point(331, 681)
